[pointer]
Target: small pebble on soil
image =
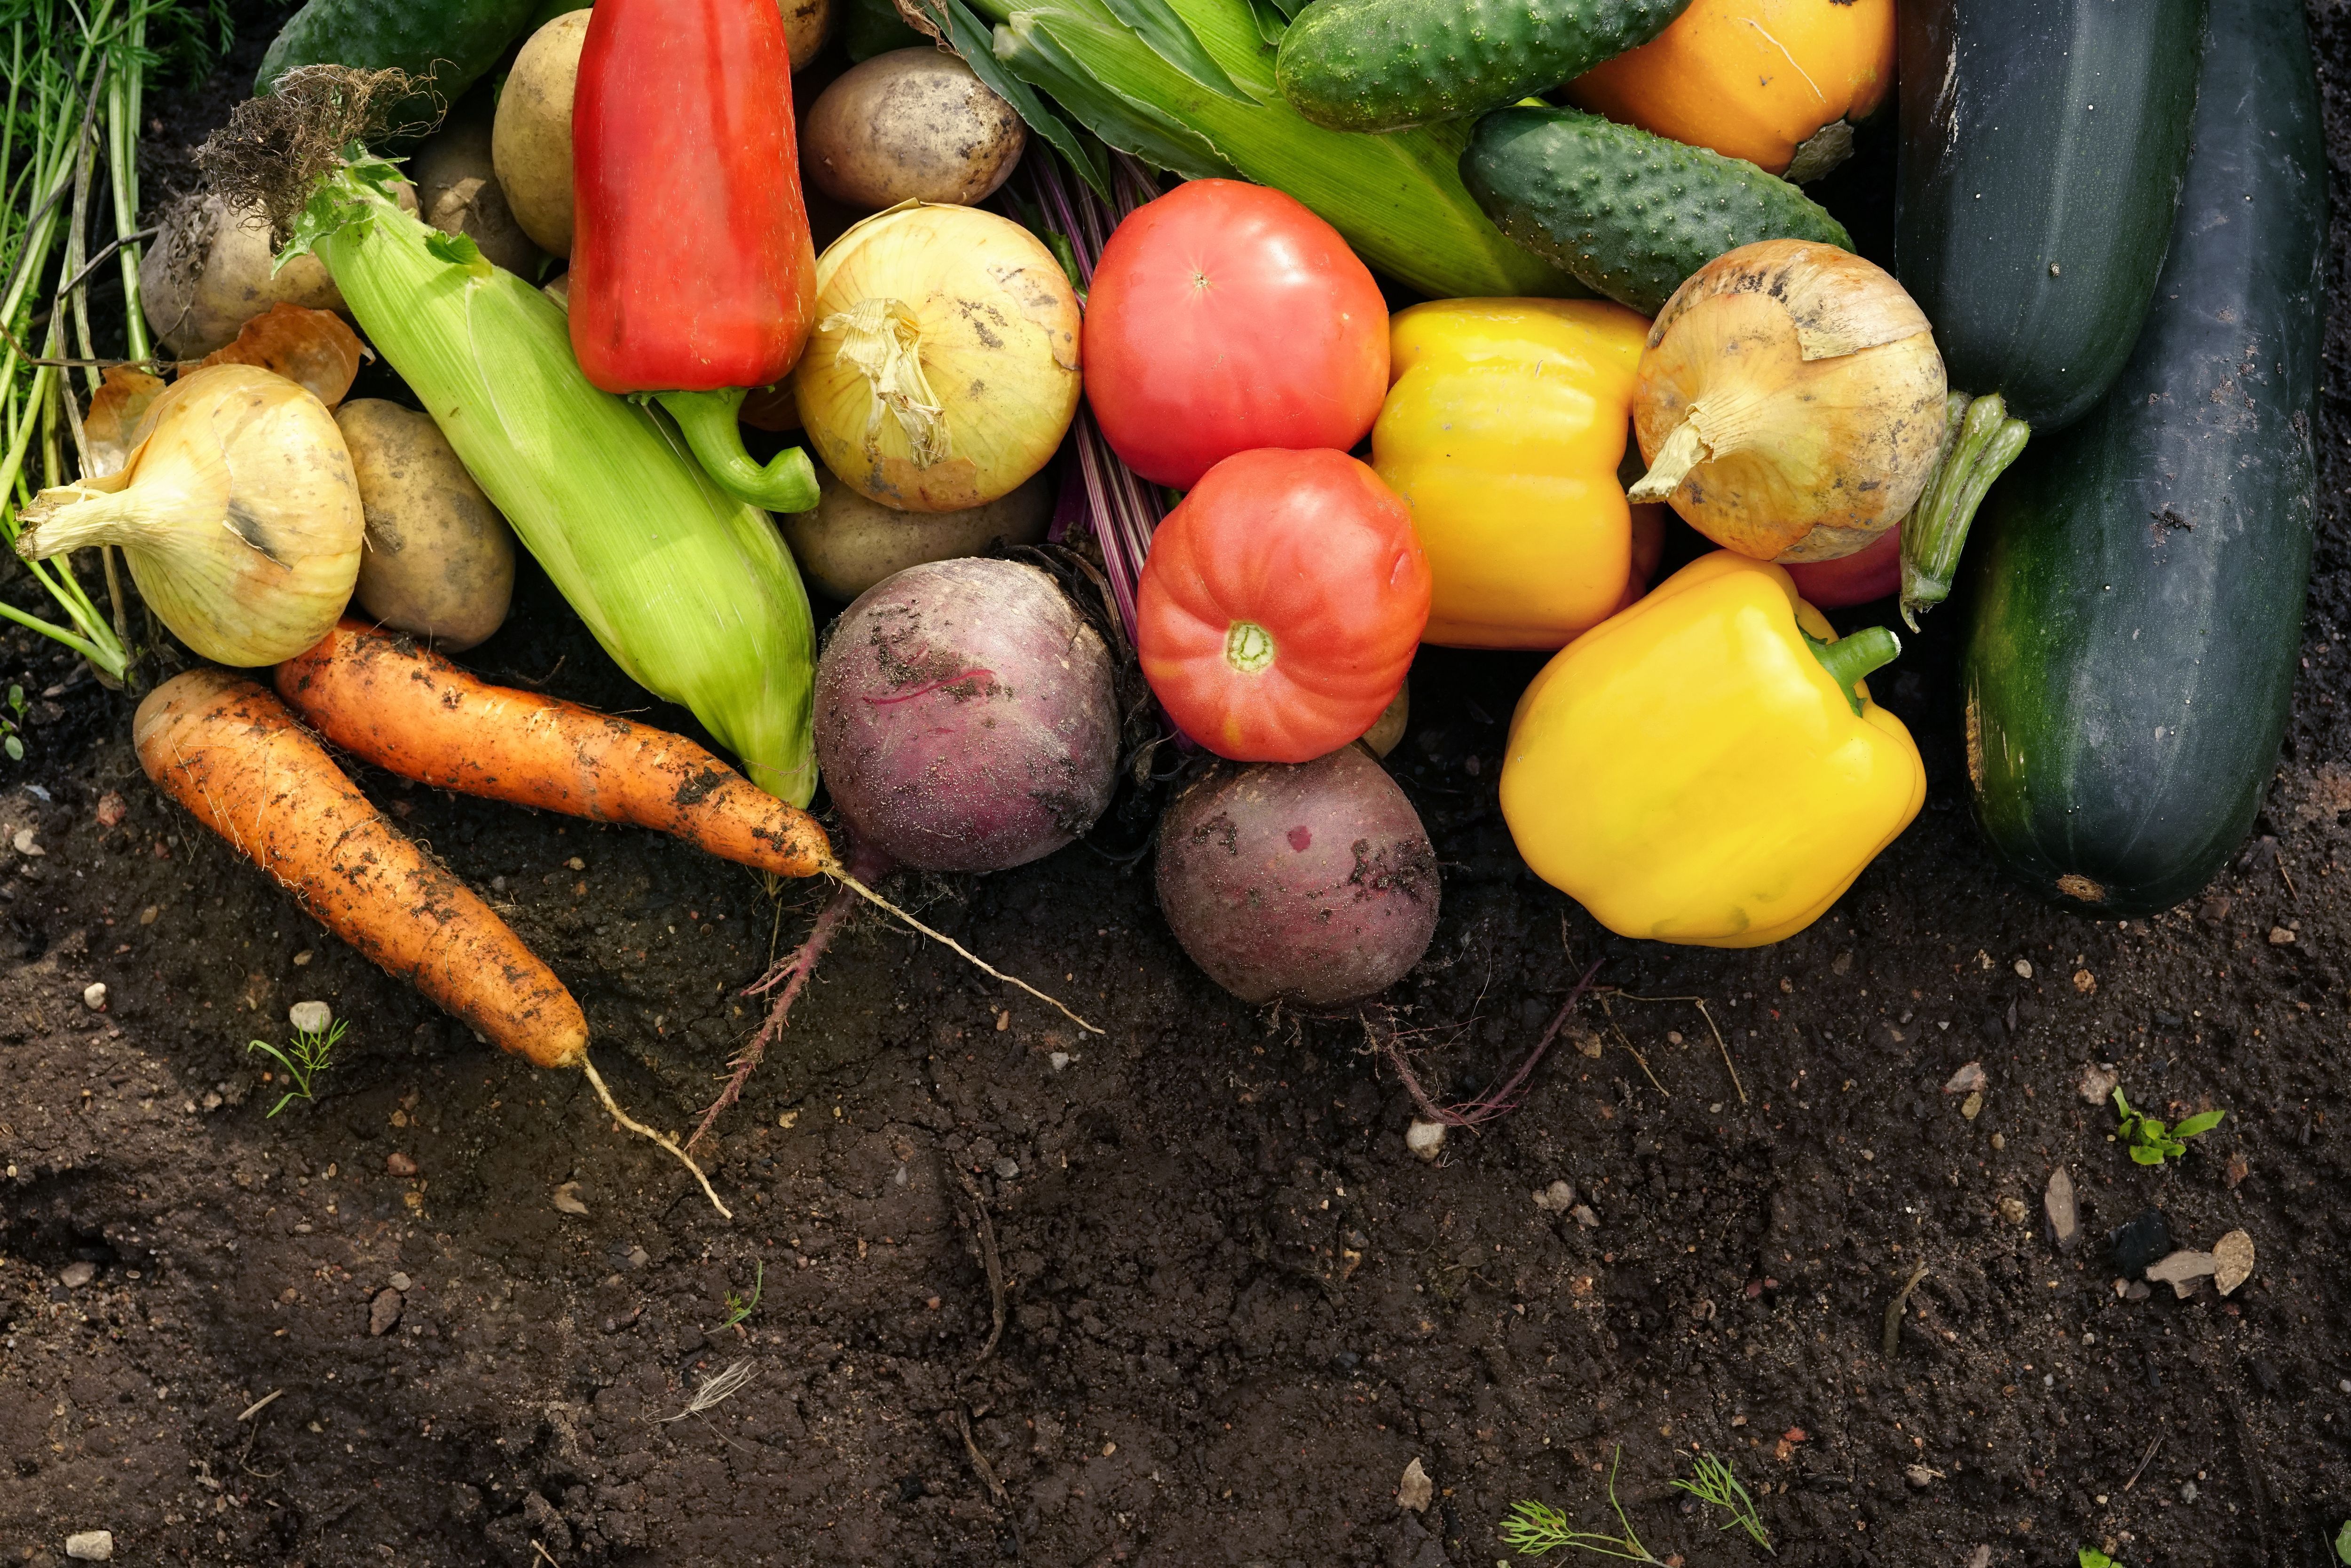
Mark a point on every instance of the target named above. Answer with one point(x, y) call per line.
point(2098, 1081)
point(399, 1164)
point(1967, 1079)
point(566, 1199)
point(310, 1017)
point(2233, 1259)
point(1415, 1489)
point(2139, 1241)
point(1425, 1139)
point(383, 1312)
point(93, 996)
point(1556, 1198)
point(2184, 1270)
point(91, 1546)
point(75, 1275)
point(2064, 1218)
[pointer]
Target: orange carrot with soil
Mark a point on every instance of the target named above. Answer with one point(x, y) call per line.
point(230, 752)
point(383, 698)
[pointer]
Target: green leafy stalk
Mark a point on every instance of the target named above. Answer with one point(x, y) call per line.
point(1533, 1529)
point(2148, 1141)
point(1712, 1483)
point(303, 1059)
point(1187, 86)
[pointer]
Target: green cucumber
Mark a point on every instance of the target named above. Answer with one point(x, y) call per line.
point(2136, 625)
point(2042, 147)
point(1630, 214)
point(1384, 64)
point(453, 42)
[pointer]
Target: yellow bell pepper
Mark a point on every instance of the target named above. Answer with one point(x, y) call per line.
point(1504, 424)
point(1706, 767)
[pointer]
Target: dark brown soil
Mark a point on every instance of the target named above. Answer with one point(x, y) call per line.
point(1233, 1307)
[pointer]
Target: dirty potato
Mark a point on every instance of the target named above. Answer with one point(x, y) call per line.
point(910, 125)
point(848, 543)
point(439, 561)
point(457, 188)
point(209, 273)
point(531, 139)
point(807, 24)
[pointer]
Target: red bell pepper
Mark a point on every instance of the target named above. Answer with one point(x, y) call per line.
point(693, 275)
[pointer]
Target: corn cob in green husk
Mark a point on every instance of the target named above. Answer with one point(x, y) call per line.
point(692, 592)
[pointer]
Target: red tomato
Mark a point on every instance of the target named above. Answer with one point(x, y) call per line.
point(1281, 605)
point(1859, 579)
point(1225, 318)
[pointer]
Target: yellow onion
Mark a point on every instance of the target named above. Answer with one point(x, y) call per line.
point(236, 509)
point(944, 370)
point(1790, 401)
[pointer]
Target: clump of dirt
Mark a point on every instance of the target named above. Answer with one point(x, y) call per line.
point(1181, 1294)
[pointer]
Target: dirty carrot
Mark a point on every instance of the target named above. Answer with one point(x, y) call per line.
point(383, 698)
point(235, 757)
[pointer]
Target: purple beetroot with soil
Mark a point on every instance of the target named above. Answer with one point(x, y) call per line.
point(1310, 883)
point(966, 718)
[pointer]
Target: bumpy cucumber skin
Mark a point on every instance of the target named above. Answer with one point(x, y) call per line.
point(1385, 65)
point(1630, 214)
point(454, 41)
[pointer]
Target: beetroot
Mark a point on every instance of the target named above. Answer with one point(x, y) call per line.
point(1309, 883)
point(965, 717)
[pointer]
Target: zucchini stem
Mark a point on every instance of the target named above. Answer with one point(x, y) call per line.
point(1979, 441)
point(708, 421)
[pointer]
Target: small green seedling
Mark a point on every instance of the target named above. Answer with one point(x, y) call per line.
point(304, 1059)
point(1713, 1484)
point(2091, 1557)
point(1532, 1528)
point(2343, 1542)
point(11, 729)
point(2144, 1137)
point(738, 1309)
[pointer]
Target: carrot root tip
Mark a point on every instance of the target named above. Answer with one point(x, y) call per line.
point(596, 1082)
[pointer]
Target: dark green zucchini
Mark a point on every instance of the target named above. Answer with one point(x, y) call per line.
point(2041, 145)
point(2138, 596)
point(451, 41)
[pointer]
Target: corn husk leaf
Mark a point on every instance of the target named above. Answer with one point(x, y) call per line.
point(691, 592)
point(1397, 198)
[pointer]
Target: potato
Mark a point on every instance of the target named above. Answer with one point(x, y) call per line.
point(848, 543)
point(439, 561)
point(808, 24)
point(208, 274)
point(531, 139)
point(1389, 728)
point(910, 125)
point(457, 187)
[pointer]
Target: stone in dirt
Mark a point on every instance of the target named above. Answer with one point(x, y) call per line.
point(566, 1199)
point(2184, 1270)
point(310, 1017)
point(112, 809)
point(399, 1164)
point(74, 1276)
point(1556, 1198)
point(2098, 1081)
point(1415, 1491)
point(2012, 1209)
point(93, 996)
point(2064, 1218)
point(2138, 1241)
point(1967, 1080)
point(1425, 1139)
point(2233, 1257)
point(383, 1312)
point(91, 1546)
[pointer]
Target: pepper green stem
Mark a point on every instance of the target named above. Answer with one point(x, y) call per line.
point(708, 420)
point(1849, 659)
point(1979, 441)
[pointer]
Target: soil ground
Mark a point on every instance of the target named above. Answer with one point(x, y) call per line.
point(1233, 1307)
